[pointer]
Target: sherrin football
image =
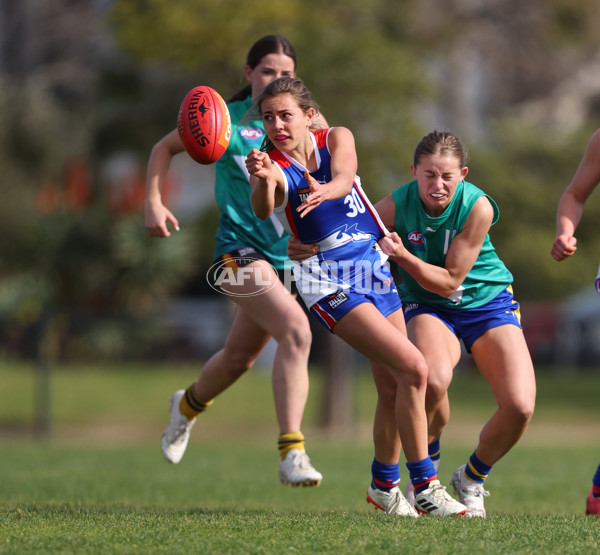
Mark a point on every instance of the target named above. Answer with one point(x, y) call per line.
point(204, 125)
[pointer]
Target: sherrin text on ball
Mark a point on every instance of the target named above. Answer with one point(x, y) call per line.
point(204, 124)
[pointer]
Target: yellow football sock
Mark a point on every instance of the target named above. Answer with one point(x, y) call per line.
point(190, 406)
point(288, 441)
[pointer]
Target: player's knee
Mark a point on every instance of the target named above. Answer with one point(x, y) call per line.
point(416, 373)
point(521, 413)
point(438, 381)
point(296, 335)
point(527, 411)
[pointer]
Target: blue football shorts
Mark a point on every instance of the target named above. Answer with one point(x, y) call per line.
point(469, 324)
point(381, 292)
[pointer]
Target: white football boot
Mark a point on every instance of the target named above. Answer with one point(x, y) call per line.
point(391, 502)
point(469, 492)
point(176, 436)
point(296, 470)
point(436, 501)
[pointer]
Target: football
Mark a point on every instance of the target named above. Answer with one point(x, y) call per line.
point(204, 125)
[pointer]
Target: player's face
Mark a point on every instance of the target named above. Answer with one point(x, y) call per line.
point(284, 121)
point(271, 67)
point(438, 177)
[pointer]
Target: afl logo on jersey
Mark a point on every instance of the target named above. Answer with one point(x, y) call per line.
point(415, 237)
point(251, 133)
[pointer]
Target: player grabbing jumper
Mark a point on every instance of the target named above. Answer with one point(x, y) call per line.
point(244, 240)
point(308, 180)
point(455, 287)
point(570, 210)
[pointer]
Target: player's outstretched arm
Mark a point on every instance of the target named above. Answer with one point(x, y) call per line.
point(572, 201)
point(156, 215)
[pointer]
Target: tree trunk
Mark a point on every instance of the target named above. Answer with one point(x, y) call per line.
point(338, 409)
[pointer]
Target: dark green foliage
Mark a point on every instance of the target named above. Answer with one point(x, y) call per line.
point(112, 84)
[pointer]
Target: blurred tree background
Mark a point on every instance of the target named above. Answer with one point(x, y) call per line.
point(88, 87)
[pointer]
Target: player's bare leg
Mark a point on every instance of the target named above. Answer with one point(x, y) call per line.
point(442, 352)
point(502, 357)
point(383, 341)
point(264, 312)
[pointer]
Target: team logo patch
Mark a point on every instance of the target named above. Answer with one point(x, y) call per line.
point(336, 300)
point(251, 133)
point(416, 239)
point(245, 252)
point(303, 193)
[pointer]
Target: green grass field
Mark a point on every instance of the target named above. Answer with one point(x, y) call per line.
point(99, 483)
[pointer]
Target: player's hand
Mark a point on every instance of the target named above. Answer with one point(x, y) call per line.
point(298, 251)
point(318, 194)
point(392, 245)
point(563, 247)
point(156, 218)
point(258, 164)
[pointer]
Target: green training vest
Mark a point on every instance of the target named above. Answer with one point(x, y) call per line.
point(429, 238)
point(238, 225)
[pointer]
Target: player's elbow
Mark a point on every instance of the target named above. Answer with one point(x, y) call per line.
point(446, 293)
point(262, 212)
point(448, 290)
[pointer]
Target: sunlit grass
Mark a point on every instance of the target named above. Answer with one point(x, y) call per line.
point(99, 484)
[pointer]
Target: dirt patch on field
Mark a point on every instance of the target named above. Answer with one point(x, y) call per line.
point(538, 434)
point(459, 432)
